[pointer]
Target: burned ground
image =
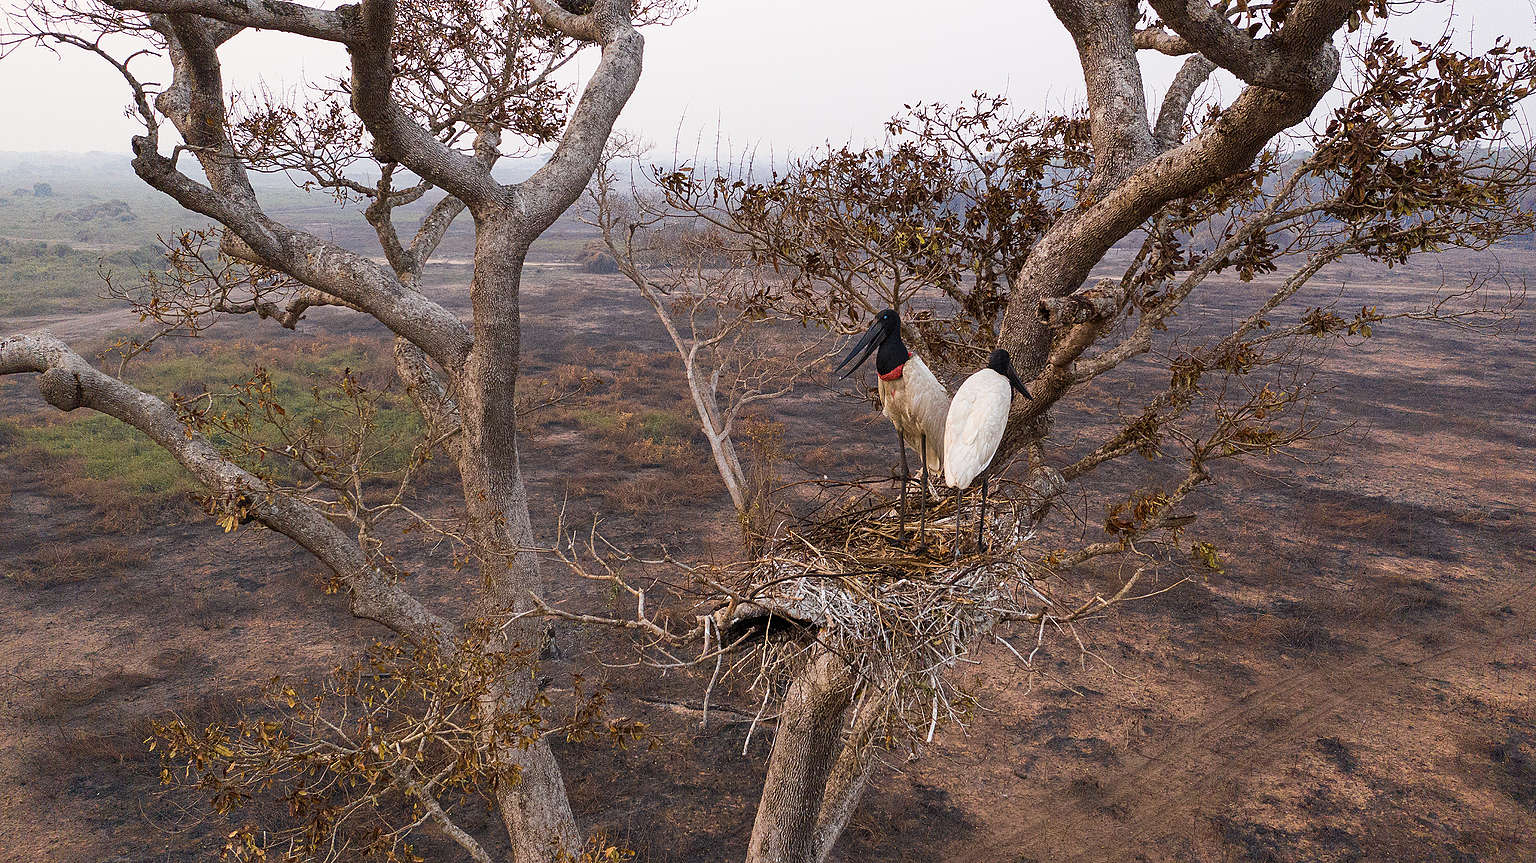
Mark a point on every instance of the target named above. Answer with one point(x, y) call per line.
point(1357, 685)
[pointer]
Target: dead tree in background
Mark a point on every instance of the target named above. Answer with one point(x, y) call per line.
point(1417, 157)
point(716, 308)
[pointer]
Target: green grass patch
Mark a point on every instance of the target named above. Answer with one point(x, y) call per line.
point(665, 427)
point(107, 451)
point(103, 449)
point(600, 419)
point(38, 277)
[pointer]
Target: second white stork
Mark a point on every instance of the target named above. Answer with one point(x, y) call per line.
point(974, 428)
point(910, 397)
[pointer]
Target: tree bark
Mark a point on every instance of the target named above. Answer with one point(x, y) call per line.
point(804, 750)
point(850, 776)
point(534, 807)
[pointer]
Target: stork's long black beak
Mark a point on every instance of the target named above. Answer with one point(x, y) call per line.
point(1013, 379)
point(871, 340)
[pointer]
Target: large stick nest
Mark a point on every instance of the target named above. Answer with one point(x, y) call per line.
point(901, 609)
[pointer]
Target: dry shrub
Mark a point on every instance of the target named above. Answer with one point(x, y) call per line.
point(595, 258)
point(124, 510)
point(634, 375)
point(209, 706)
point(1366, 526)
point(638, 459)
point(654, 491)
point(1302, 637)
point(761, 448)
point(73, 692)
point(182, 661)
point(121, 746)
point(67, 561)
point(826, 459)
point(1400, 598)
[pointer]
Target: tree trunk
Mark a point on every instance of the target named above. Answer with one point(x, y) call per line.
point(534, 807)
point(804, 748)
point(704, 401)
point(724, 451)
point(850, 776)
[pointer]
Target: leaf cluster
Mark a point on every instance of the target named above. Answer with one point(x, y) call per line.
point(353, 766)
point(948, 206)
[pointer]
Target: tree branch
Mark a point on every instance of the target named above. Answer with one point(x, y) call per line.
point(1170, 117)
point(463, 839)
point(555, 186)
point(1206, 30)
point(1161, 40)
point(331, 25)
point(582, 27)
point(1288, 60)
point(195, 104)
point(396, 136)
point(68, 382)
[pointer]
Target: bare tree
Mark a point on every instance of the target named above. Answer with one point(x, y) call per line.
point(989, 226)
point(433, 89)
point(717, 309)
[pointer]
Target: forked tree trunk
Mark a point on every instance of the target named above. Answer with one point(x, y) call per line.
point(805, 747)
point(850, 776)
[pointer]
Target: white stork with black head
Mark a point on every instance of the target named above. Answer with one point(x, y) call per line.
point(910, 397)
point(974, 428)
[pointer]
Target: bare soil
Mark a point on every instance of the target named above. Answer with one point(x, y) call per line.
point(1357, 685)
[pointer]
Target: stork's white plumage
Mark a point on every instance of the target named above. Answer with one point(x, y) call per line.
point(974, 426)
point(974, 429)
point(910, 397)
point(916, 404)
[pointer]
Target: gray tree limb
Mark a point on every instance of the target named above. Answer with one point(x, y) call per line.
point(1169, 129)
point(541, 198)
point(68, 382)
point(397, 137)
point(195, 104)
point(1160, 40)
point(331, 25)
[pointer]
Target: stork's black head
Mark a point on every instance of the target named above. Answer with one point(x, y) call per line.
point(883, 335)
point(1001, 363)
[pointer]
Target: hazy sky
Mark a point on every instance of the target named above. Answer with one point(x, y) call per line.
point(779, 74)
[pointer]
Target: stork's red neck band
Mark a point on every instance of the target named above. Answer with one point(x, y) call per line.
point(893, 374)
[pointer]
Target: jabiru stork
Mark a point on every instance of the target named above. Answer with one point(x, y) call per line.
point(910, 397)
point(974, 428)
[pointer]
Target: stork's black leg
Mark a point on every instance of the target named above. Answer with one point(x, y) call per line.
point(981, 526)
point(906, 476)
point(958, 492)
point(922, 496)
